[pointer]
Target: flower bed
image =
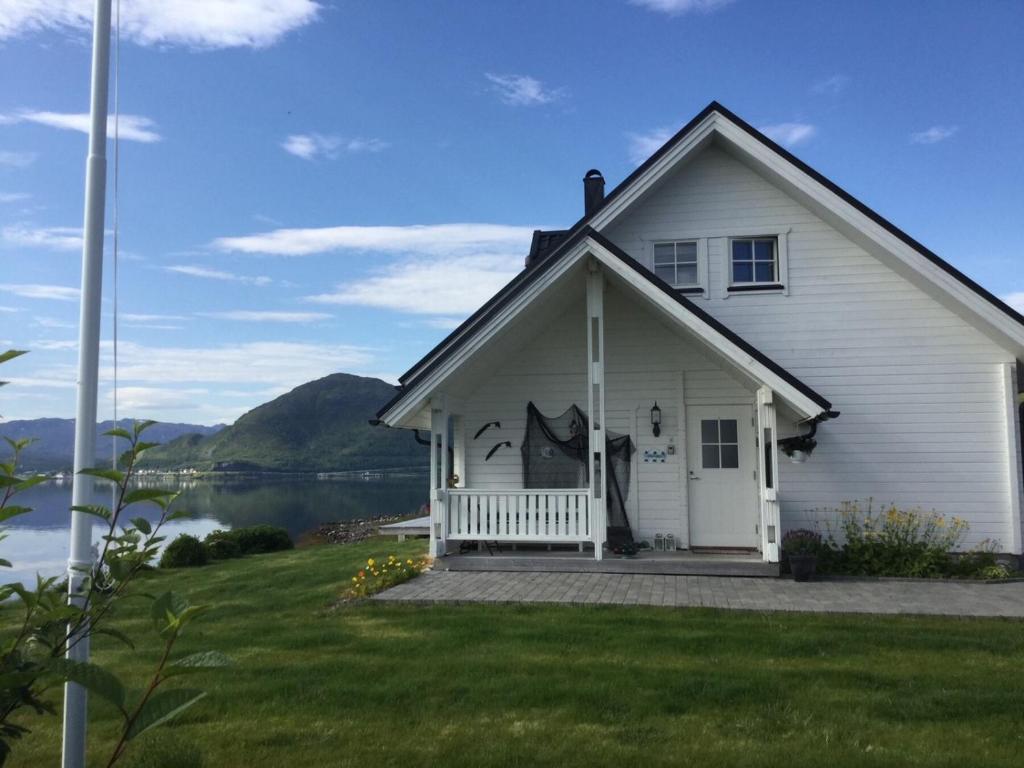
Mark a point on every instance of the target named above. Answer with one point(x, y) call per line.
point(379, 575)
point(904, 542)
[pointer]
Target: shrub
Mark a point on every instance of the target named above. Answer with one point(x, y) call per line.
point(184, 552)
point(221, 546)
point(892, 542)
point(981, 563)
point(258, 539)
point(801, 541)
point(378, 576)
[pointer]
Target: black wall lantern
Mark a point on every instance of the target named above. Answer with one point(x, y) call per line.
point(656, 419)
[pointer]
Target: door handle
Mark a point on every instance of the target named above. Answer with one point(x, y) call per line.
point(693, 476)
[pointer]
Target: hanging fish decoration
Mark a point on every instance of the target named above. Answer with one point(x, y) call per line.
point(485, 427)
point(506, 444)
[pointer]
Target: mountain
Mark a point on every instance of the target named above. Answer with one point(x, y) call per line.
point(321, 426)
point(54, 444)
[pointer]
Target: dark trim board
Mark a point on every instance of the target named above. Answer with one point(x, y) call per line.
point(527, 277)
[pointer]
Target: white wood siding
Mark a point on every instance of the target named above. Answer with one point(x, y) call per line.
point(645, 361)
point(920, 390)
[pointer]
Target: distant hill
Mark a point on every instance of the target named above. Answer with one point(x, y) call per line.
point(321, 426)
point(54, 445)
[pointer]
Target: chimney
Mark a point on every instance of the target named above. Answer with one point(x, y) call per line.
point(593, 191)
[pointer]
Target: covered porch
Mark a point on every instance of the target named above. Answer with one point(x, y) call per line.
point(596, 332)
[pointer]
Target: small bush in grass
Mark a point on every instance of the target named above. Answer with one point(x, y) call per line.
point(256, 539)
point(220, 546)
point(379, 575)
point(184, 552)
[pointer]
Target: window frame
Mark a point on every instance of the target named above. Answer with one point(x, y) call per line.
point(699, 288)
point(754, 283)
point(728, 288)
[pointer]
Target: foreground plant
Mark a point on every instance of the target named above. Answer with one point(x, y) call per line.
point(380, 575)
point(904, 542)
point(32, 659)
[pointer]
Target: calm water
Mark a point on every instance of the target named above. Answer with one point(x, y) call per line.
point(38, 541)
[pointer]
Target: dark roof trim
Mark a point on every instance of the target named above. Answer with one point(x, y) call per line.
point(527, 277)
point(887, 225)
point(452, 341)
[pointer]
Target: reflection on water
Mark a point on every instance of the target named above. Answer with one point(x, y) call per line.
point(38, 541)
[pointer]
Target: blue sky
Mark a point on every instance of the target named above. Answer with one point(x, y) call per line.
point(312, 187)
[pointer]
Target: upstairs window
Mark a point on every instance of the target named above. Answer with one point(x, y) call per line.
point(754, 263)
point(676, 263)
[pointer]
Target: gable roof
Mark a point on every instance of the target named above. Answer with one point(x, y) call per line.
point(715, 107)
point(548, 246)
point(585, 235)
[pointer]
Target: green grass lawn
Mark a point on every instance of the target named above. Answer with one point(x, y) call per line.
point(391, 685)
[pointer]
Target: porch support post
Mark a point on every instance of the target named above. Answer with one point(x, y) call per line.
point(1011, 387)
point(439, 472)
point(768, 476)
point(595, 405)
point(459, 449)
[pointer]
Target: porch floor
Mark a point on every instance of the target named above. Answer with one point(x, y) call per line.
point(679, 563)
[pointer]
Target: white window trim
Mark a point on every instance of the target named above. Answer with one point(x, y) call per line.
point(782, 257)
point(702, 263)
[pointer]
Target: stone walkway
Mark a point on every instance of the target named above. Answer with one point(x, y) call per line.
point(941, 598)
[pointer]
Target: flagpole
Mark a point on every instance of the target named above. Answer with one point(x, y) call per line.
point(80, 559)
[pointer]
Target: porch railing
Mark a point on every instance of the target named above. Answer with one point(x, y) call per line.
point(560, 514)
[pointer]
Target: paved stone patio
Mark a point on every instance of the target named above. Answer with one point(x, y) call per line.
point(942, 598)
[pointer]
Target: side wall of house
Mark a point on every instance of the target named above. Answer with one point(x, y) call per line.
point(920, 390)
point(645, 362)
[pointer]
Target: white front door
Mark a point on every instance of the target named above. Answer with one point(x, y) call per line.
point(722, 487)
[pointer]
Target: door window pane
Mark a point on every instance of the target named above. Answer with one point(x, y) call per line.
point(709, 431)
point(709, 456)
point(730, 457)
point(728, 430)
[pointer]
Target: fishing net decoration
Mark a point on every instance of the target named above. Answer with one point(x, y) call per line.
point(556, 454)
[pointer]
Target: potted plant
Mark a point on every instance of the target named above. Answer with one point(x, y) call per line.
point(801, 547)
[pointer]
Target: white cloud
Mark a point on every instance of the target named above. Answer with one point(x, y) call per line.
point(149, 399)
point(132, 317)
point(54, 345)
point(57, 238)
point(522, 90)
point(789, 134)
point(429, 287)
point(1015, 300)
point(267, 316)
point(13, 197)
point(934, 135)
point(52, 322)
point(830, 85)
point(679, 7)
point(643, 145)
point(132, 127)
point(217, 274)
point(40, 291)
point(444, 323)
point(431, 239)
point(9, 309)
point(266, 363)
point(308, 146)
point(17, 159)
point(193, 23)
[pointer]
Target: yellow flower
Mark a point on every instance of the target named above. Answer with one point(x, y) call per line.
point(408, 562)
point(371, 562)
point(355, 578)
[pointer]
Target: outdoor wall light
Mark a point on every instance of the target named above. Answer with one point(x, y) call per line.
point(656, 419)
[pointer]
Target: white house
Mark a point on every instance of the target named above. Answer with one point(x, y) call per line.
point(752, 300)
